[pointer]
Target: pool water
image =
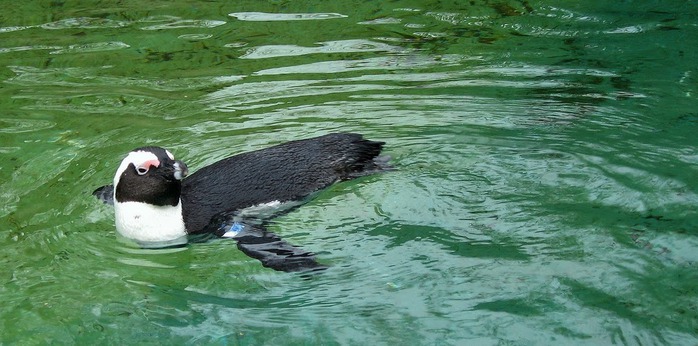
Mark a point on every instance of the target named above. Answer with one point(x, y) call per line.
point(545, 191)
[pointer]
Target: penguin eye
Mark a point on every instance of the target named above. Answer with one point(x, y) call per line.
point(144, 167)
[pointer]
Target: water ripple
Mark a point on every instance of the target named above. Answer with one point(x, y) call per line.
point(27, 48)
point(84, 23)
point(186, 23)
point(381, 21)
point(13, 28)
point(344, 46)
point(195, 37)
point(268, 17)
point(91, 47)
point(14, 125)
point(396, 62)
point(258, 95)
point(91, 77)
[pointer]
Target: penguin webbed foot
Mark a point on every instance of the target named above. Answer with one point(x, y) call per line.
point(278, 254)
point(255, 241)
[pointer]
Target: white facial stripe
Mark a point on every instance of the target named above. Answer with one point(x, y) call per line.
point(169, 154)
point(137, 158)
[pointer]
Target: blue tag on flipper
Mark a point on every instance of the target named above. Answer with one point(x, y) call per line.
point(234, 230)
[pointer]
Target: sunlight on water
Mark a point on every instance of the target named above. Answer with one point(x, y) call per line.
point(544, 192)
point(264, 17)
point(83, 23)
point(348, 46)
point(185, 23)
point(93, 47)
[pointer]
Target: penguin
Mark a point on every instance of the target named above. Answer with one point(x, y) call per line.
point(157, 203)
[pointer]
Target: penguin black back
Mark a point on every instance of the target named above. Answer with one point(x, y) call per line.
point(286, 172)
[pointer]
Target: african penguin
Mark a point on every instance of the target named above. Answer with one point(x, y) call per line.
point(155, 204)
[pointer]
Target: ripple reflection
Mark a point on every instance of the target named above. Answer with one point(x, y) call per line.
point(267, 17)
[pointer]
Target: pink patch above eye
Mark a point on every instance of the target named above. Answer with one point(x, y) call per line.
point(151, 163)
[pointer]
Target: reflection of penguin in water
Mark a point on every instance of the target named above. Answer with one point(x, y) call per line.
point(155, 206)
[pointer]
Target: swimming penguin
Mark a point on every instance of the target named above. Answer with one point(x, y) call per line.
point(155, 205)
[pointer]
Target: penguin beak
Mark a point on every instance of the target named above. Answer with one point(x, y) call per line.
point(181, 170)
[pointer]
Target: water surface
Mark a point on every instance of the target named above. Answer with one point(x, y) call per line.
point(546, 188)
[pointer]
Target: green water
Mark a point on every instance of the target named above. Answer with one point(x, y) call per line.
point(546, 188)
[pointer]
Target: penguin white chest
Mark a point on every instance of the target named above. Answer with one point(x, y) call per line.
point(145, 222)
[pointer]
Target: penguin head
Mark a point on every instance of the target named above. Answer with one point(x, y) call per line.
point(149, 175)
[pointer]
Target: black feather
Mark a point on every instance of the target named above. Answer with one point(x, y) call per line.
point(286, 172)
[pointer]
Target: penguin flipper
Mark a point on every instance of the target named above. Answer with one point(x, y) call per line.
point(105, 194)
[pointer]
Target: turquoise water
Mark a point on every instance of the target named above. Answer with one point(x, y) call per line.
point(546, 188)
